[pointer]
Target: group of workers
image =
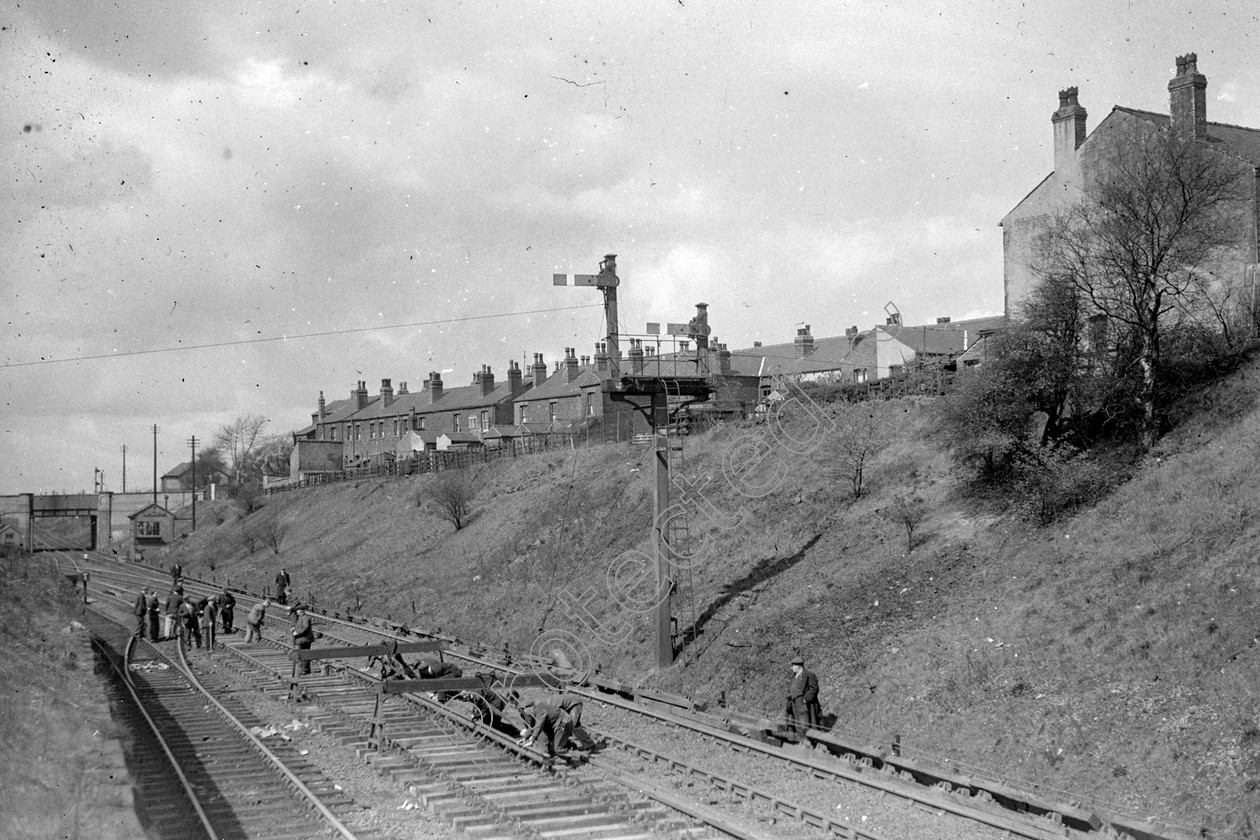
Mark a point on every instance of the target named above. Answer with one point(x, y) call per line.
point(179, 615)
point(554, 723)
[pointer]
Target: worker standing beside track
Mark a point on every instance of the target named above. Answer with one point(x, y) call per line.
point(171, 613)
point(209, 613)
point(282, 587)
point(151, 605)
point(303, 636)
point(802, 698)
point(227, 610)
point(141, 612)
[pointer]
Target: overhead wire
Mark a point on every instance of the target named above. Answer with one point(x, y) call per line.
point(265, 339)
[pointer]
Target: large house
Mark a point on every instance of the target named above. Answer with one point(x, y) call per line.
point(1080, 158)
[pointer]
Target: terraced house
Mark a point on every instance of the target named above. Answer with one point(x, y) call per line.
point(1082, 158)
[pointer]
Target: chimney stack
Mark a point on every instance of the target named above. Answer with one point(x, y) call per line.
point(636, 356)
point(360, 394)
point(387, 393)
point(944, 320)
point(570, 364)
point(851, 332)
point(540, 370)
point(893, 320)
point(804, 342)
point(724, 360)
point(698, 327)
point(1069, 131)
point(402, 389)
point(321, 406)
point(1187, 95)
point(485, 379)
point(602, 369)
point(515, 384)
point(435, 386)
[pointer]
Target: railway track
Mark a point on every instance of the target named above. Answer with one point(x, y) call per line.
point(202, 773)
point(683, 741)
point(483, 787)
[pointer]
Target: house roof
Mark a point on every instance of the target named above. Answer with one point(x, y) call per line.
point(556, 386)
point(1243, 141)
point(149, 507)
point(185, 468)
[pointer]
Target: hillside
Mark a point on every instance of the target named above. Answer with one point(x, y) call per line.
point(1110, 656)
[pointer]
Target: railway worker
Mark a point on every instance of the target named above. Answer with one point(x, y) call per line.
point(227, 609)
point(282, 587)
point(208, 615)
point(489, 705)
point(303, 636)
point(254, 621)
point(152, 607)
point(170, 613)
point(547, 721)
point(573, 731)
point(434, 669)
point(141, 612)
point(177, 571)
point(802, 695)
point(190, 628)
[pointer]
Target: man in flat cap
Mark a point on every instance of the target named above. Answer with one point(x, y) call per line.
point(802, 697)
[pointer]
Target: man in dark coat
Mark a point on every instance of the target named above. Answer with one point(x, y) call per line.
point(177, 572)
point(152, 606)
point(549, 722)
point(303, 636)
point(190, 623)
point(574, 732)
point(141, 612)
point(227, 610)
point(433, 669)
point(802, 699)
point(282, 587)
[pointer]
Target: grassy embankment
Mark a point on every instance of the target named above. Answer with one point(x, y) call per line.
point(62, 773)
point(1110, 655)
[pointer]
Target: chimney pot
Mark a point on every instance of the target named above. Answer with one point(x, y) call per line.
point(944, 320)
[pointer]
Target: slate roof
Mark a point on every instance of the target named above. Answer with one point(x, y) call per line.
point(1243, 141)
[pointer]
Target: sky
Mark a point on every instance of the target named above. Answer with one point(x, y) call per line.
point(213, 209)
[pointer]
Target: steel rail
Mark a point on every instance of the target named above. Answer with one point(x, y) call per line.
point(311, 798)
point(128, 682)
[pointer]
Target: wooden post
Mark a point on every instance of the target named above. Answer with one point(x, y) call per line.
point(660, 429)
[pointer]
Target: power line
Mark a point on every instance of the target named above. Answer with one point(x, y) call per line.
point(323, 334)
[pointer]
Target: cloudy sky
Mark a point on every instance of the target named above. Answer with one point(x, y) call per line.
point(223, 208)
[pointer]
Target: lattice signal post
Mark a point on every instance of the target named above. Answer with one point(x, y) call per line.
point(657, 383)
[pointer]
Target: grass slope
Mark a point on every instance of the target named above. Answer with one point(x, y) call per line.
point(1111, 656)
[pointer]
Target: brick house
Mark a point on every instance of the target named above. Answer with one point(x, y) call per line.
point(1081, 158)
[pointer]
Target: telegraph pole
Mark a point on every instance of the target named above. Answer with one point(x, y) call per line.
point(124, 480)
point(155, 463)
point(192, 441)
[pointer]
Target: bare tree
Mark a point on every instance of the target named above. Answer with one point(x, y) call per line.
point(272, 532)
point(1163, 213)
point(908, 512)
point(450, 495)
point(862, 429)
point(236, 442)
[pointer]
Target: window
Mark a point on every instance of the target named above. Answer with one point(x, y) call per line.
point(472, 423)
point(455, 421)
point(148, 529)
point(590, 406)
point(420, 423)
point(551, 411)
point(520, 409)
point(859, 375)
point(358, 431)
point(485, 421)
point(395, 427)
